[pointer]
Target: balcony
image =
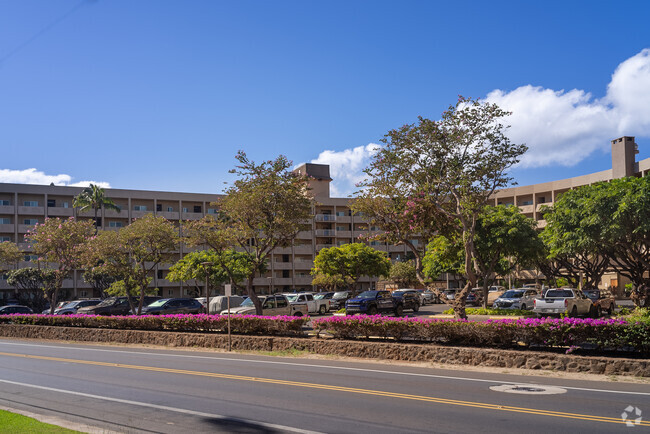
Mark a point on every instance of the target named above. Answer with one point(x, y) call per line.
point(282, 251)
point(113, 213)
point(343, 234)
point(262, 281)
point(305, 249)
point(280, 281)
point(526, 208)
point(304, 235)
point(169, 215)
point(31, 210)
point(325, 232)
point(323, 246)
point(7, 209)
point(55, 211)
point(344, 219)
point(140, 214)
point(303, 265)
point(302, 280)
point(325, 218)
point(192, 215)
point(282, 265)
point(392, 248)
point(7, 228)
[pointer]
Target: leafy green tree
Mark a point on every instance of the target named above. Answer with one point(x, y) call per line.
point(403, 274)
point(505, 240)
point(264, 209)
point(351, 261)
point(575, 237)
point(331, 282)
point(10, 255)
point(31, 286)
point(132, 254)
point(444, 255)
point(94, 197)
point(224, 266)
point(61, 242)
point(99, 280)
point(436, 177)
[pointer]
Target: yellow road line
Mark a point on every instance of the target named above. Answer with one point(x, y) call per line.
point(482, 405)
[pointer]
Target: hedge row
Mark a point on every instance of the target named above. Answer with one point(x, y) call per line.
point(239, 324)
point(604, 334)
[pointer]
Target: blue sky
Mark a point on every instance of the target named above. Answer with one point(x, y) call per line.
point(160, 95)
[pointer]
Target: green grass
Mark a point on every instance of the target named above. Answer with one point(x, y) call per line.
point(492, 311)
point(17, 423)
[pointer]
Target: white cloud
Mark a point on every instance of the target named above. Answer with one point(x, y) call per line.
point(346, 167)
point(564, 127)
point(33, 176)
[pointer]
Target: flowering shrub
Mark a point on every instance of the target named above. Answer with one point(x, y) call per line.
point(239, 324)
point(546, 332)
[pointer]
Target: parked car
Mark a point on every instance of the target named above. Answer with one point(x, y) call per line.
point(409, 297)
point(220, 303)
point(170, 306)
point(339, 298)
point(272, 305)
point(72, 307)
point(522, 298)
point(602, 303)
point(475, 297)
point(430, 296)
point(115, 306)
point(314, 305)
point(450, 294)
point(374, 302)
point(494, 292)
point(14, 308)
point(558, 301)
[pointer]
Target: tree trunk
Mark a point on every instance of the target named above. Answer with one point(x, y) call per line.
point(254, 298)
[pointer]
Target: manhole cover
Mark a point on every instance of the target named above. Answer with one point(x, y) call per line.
point(528, 389)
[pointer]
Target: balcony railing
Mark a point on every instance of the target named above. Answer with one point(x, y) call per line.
point(325, 218)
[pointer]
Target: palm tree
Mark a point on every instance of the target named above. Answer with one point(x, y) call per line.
point(92, 197)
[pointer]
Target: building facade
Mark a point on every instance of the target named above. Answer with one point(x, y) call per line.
point(333, 224)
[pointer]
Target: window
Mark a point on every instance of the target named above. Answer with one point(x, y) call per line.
point(527, 202)
point(115, 224)
point(66, 205)
point(5, 221)
point(51, 203)
point(212, 211)
point(170, 209)
point(30, 203)
point(197, 208)
point(159, 207)
point(4, 202)
point(4, 239)
point(30, 221)
point(159, 274)
point(30, 258)
point(340, 213)
point(170, 292)
point(185, 210)
point(83, 293)
point(140, 208)
point(376, 243)
point(285, 273)
point(541, 199)
point(282, 302)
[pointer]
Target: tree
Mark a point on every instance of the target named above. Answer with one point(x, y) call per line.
point(99, 280)
point(264, 209)
point(575, 237)
point(505, 240)
point(351, 261)
point(10, 255)
point(93, 197)
point(331, 282)
point(403, 274)
point(132, 253)
point(63, 243)
point(224, 266)
point(32, 286)
point(436, 177)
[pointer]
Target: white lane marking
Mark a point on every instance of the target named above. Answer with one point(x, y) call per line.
point(163, 407)
point(308, 365)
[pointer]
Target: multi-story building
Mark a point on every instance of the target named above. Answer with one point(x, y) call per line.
point(23, 205)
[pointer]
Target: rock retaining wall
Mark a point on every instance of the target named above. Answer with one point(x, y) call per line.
point(364, 349)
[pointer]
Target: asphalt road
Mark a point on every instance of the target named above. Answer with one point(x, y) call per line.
point(129, 389)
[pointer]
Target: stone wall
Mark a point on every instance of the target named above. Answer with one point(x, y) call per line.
point(363, 349)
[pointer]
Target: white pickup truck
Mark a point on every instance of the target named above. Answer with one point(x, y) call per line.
point(272, 305)
point(321, 306)
point(572, 302)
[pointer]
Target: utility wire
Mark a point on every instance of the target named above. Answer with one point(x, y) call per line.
point(44, 30)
